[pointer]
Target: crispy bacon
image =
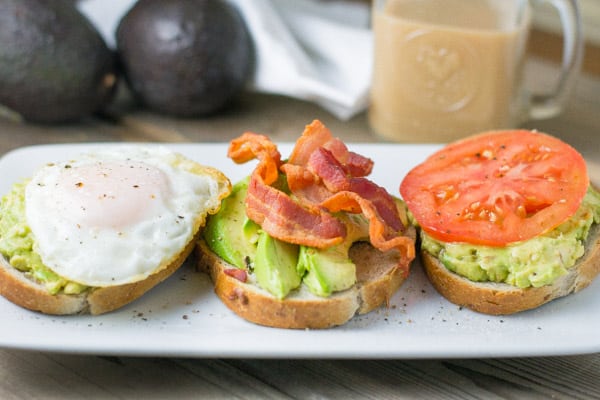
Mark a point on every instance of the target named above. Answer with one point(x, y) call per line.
point(276, 212)
point(316, 136)
point(382, 235)
point(359, 195)
point(283, 218)
point(237, 273)
point(250, 146)
point(323, 177)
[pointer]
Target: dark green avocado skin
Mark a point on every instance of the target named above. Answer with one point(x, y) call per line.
point(54, 65)
point(185, 57)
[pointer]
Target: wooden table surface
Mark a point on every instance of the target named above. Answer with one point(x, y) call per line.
point(28, 374)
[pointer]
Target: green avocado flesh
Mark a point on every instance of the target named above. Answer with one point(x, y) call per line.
point(229, 233)
point(275, 265)
point(280, 267)
point(532, 263)
point(17, 244)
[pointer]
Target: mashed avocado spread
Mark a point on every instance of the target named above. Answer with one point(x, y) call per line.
point(535, 262)
point(17, 244)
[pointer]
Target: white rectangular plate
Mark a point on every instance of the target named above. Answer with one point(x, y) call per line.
point(182, 317)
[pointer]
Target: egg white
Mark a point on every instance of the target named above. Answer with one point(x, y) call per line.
point(118, 215)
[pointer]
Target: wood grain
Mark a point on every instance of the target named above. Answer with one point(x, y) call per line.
point(41, 375)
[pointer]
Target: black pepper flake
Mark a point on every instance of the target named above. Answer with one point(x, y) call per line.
point(248, 263)
point(136, 186)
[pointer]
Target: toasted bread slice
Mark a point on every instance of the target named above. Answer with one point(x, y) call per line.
point(25, 292)
point(502, 298)
point(379, 275)
point(21, 289)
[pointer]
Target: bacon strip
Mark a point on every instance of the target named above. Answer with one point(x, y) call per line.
point(315, 136)
point(249, 146)
point(381, 235)
point(360, 195)
point(276, 212)
point(324, 177)
point(237, 273)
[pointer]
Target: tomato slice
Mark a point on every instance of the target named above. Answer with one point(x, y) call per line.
point(496, 188)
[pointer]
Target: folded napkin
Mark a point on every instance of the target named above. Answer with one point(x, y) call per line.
point(314, 50)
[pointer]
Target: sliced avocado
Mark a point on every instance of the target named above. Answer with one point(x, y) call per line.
point(275, 265)
point(330, 270)
point(229, 232)
point(251, 229)
point(281, 267)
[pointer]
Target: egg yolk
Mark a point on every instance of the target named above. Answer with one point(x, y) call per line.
point(113, 194)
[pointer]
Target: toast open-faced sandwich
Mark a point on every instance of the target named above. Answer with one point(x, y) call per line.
point(308, 242)
point(508, 220)
point(93, 234)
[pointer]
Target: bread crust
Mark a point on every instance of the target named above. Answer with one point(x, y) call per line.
point(502, 298)
point(19, 289)
point(379, 275)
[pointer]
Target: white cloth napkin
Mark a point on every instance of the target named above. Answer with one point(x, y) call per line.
point(314, 50)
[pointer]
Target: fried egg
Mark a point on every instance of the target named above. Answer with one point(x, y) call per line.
point(118, 215)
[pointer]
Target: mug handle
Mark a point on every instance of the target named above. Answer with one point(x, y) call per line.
point(546, 105)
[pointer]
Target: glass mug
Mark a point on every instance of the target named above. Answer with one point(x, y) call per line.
point(444, 69)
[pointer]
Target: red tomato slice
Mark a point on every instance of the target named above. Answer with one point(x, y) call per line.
point(496, 188)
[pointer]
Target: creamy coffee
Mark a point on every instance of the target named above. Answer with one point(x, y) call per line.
point(444, 69)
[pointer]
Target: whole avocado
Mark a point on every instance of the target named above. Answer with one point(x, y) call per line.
point(54, 65)
point(184, 57)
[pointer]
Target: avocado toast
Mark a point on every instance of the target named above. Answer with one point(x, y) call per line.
point(295, 246)
point(508, 220)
